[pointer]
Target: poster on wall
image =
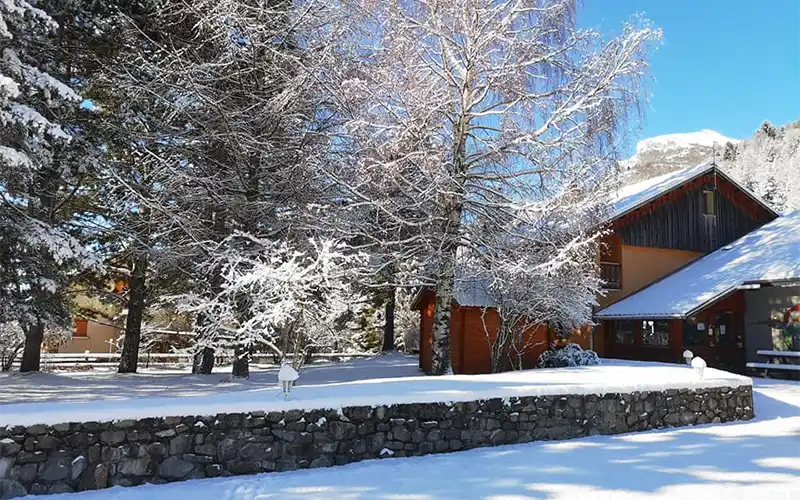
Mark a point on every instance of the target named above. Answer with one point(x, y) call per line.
point(785, 325)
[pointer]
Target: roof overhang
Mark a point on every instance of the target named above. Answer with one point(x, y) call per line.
point(711, 167)
point(747, 285)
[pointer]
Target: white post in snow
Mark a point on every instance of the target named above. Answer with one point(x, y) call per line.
point(687, 356)
point(286, 378)
point(699, 364)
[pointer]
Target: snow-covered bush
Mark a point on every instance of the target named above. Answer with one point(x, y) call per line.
point(11, 341)
point(569, 355)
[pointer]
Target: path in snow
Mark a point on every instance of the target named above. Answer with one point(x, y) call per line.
point(753, 460)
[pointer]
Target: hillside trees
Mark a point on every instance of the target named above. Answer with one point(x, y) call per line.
point(486, 103)
point(768, 164)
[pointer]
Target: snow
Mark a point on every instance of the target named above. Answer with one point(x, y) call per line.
point(635, 195)
point(707, 138)
point(740, 460)
point(367, 385)
point(768, 254)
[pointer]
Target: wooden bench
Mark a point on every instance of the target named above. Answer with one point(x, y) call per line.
point(778, 356)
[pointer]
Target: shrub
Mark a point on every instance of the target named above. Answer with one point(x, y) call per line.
point(569, 355)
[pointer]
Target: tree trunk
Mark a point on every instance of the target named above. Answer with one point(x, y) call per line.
point(444, 295)
point(388, 326)
point(129, 360)
point(453, 204)
point(203, 362)
point(47, 188)
point(241, 362)
point(32, 354)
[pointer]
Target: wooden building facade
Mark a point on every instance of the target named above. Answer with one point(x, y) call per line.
point(664, 233)
point(715, 333)
point(656, 229)
point(472, 330)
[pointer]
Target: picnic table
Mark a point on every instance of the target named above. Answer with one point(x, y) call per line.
point(788, 361)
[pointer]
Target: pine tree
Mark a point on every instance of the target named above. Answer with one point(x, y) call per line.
point(40, 175)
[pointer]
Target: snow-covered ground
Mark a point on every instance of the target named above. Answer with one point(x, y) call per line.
point(759, 459)
point(50, 399)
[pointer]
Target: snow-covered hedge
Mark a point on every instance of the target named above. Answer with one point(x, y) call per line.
point(569, 355)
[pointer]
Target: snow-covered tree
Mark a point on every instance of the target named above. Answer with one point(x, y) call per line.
point(40, 176)
point(541, 273)
point(463, 109)
point(242, 131)
point(284, 302)
point(12, 338)
point(768, 164)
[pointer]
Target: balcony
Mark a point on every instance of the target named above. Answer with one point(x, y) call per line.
point(611, 274)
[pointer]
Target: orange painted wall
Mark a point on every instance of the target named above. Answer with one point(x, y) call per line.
point(95, 340)
point(644, 265)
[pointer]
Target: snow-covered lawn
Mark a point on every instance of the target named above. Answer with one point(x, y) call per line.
point(43, 398)
point(759, 459)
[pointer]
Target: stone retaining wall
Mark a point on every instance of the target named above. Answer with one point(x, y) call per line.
point(93, 455)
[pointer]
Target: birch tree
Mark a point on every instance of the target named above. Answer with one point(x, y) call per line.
point(488, 103)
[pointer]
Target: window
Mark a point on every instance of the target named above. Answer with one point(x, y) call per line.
point(81, 328)
point(655, 333)
point(694, 333)
point(611, 274)
point(708, 202)
point(625, 332)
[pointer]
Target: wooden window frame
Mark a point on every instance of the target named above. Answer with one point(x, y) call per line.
point(655, 322)
point(709, 195)
point(81, 330)
point(637, 332)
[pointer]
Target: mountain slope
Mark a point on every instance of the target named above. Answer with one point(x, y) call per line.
point(667, 153)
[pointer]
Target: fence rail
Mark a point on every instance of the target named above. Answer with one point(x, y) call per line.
point(106, 358)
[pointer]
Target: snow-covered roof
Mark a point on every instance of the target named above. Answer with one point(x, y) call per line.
point(635, 195)
point(473, 293)
point(631, 197)
point(770, 254)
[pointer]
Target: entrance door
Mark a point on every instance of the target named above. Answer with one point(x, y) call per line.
point(719, 340)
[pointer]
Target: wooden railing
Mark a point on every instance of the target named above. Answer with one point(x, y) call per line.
point(611, 274)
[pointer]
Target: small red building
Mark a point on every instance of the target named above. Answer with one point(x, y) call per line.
point(472, 318)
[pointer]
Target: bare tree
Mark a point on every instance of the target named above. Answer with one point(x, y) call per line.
point(469, 107)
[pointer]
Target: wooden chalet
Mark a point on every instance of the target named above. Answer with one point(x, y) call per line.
point(657, 227)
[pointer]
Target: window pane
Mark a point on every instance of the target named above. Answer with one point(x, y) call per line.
point(708, 202)
point(625, 331)
point(691, 335)
point(655, 333)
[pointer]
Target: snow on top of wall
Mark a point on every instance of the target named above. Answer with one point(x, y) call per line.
point(611, 377)
point(704, 137)
point(635, 195)
point(768, 254)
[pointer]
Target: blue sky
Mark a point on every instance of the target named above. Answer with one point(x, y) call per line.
point(725, 65)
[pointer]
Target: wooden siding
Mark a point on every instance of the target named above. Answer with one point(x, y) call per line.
point(676, 220)
point(469, 347)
